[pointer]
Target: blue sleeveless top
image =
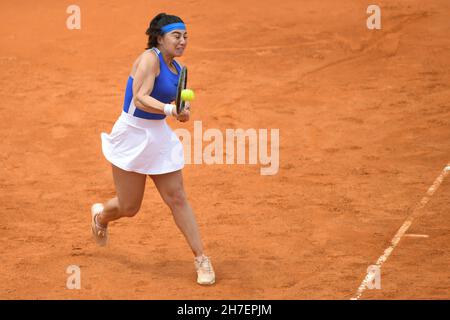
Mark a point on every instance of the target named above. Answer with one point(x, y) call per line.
point(164, 90)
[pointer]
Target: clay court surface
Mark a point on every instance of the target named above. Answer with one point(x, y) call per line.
point(364, 119)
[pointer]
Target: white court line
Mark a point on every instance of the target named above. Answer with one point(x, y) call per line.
point(412, 235)
point(394, 242)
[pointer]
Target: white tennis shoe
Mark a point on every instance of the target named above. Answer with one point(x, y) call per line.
point(205, 270)
point(100, 233)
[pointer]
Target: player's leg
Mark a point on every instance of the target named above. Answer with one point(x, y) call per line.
point(130, 188)
point(171, 189)
point(130, 191)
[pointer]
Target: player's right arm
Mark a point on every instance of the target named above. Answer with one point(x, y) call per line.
point(143, 82)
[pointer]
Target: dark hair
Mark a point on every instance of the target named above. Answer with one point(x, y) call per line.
point(154, 29)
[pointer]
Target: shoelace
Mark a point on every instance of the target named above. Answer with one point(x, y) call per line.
point(101, 231)
point(205, 264)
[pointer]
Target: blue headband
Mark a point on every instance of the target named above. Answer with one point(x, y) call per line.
point(173, 26)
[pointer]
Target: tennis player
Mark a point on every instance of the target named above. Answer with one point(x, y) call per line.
point(141, 143)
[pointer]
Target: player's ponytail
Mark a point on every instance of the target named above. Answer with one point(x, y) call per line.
point(154, 29)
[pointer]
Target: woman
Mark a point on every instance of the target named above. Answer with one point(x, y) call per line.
point(141, 143)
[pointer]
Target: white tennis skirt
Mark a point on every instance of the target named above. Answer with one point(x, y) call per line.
point(143, 146)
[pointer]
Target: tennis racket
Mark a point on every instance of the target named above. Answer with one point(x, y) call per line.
point(182, 82)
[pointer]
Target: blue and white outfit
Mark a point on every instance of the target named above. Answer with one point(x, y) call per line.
point(141, 141)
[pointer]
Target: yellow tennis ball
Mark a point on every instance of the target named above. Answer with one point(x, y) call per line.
point(187, 95)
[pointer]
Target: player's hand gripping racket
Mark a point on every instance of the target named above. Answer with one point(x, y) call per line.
point(182, 82)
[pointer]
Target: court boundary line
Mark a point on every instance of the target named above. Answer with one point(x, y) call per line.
point(401, 232)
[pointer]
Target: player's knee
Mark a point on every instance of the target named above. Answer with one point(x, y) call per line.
point(176, 198)
point(129, 210)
